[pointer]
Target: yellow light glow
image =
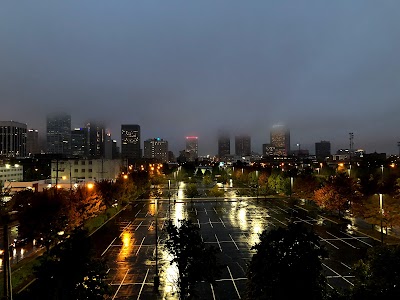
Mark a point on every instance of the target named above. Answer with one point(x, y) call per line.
point(90, 185)
point(125, 176)
point(64, 177)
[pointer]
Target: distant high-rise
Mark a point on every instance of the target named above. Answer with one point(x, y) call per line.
point(79, 142)
point(156, 149)
point(59, 134)
point(130, 142)
point(243, 145)
point(192, 147)
point(224, 145)
point(280, 139)
point(96, 140)
point(322, 149)
point(12, 139)
point(32, 141)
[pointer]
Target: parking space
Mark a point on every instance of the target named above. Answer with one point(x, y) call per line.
point(232, 226)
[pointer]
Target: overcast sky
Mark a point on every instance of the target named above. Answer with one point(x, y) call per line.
point(178, 68)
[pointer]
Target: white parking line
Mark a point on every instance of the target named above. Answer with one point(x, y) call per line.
point(137, 252)
point(212, 291)
point(121, 284)
point(348, 267)
point(109, 246)
point(233, 241)
point(205, 210)
point(328, 243)
point(209, 221)
point(338, 275)
point(222, 222)
point(138, 226)
point(234, 284)
point(219, 245)
point(341, 240)
point(215, 210)
point(144, 280)
point(358, 238)
point(138, 213)
point(198, 223)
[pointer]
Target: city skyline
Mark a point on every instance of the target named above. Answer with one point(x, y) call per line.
point(182, 69)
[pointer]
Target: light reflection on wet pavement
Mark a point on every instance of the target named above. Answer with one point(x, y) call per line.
point(231, 225)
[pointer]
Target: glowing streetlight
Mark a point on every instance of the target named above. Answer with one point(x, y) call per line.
point(381, 210)
point(90, 186)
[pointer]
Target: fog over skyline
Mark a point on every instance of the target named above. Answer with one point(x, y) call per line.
point(180, 68)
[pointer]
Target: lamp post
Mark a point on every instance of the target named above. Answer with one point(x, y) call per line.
point(169, 199)
point(381, 211)
point(156, 277)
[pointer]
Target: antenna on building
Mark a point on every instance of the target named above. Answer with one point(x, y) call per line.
point(398, 145)
point(351, 141)
point(351, 137)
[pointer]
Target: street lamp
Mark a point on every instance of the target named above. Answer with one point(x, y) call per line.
point(381, 211)
point(156, 277)
point(169, 199)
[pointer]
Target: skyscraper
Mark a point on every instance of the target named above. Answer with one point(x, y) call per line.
point(12, 139)
point(156, 149)
point(32, 141)
point(59, 134)
point(322, 149)
point(224, 145)
point(130, 142)
point(192, 147)
point(79, 142)
point(96, 139)
point(280, 139)
point(242, 145)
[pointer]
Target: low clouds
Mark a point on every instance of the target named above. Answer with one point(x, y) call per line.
point(181, 68)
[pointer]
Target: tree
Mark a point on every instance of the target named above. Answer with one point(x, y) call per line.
point(107, 191)
point(215, 191)
point(287, 265)
point(378, 275)
point(195, 261)
point(191, 190)
point(44, 215)
point(338, 194)
point(305, 186)
point(69, 272)
point(207, 180)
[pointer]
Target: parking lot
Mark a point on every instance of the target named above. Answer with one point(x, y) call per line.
point(232, 226)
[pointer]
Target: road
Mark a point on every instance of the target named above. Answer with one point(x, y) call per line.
point(230, 224)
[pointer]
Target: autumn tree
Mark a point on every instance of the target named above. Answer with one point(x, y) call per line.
point(339, 193)
point(84, 204)
point(305, 186)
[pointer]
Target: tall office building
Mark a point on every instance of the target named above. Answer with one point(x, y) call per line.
point(59, 134)
point(322, 149)
point(12, 139)
point(156, 149)
point(224, 145)
point(243, 145)
point(280, 139)
point(96, 140)
point(130, 142)
point(192, 147)
point(32, 142)
point(79, 142)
